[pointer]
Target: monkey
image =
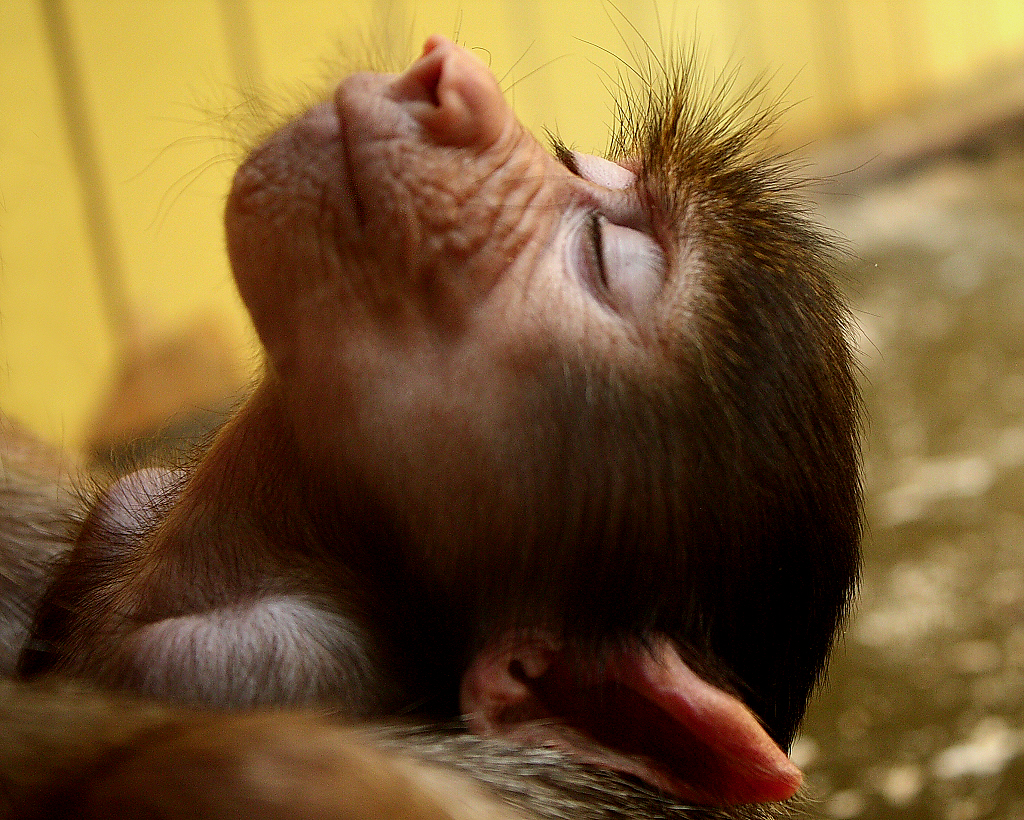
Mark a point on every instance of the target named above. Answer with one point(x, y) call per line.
point(560, 446)
point(158, 760)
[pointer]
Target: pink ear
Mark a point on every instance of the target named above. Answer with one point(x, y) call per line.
point(645, 713)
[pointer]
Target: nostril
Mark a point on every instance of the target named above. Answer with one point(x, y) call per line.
point(433, 42)
point(419, 82)
point(452, 94)
point(516, 671)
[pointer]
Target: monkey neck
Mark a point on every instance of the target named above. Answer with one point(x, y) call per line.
point(255, 518)
point(245, 515)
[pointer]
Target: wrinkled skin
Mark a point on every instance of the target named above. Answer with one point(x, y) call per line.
point(541, 440)
point(427, 295)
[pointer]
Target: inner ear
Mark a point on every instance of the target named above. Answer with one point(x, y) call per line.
point(641, 711)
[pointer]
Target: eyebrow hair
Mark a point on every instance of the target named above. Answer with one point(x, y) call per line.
point(658, 195)
point(563, 153)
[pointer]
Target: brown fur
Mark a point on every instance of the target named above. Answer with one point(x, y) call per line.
point(688, 474)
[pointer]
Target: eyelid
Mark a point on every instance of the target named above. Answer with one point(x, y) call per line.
point(603, 172)
point(623, 268)
point(628, 264)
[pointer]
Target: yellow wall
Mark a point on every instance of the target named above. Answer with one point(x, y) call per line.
point(155, 74)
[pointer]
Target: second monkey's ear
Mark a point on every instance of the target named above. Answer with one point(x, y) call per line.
point(644, 713)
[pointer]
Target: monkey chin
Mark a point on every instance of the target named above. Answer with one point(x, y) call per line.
point(644, 713)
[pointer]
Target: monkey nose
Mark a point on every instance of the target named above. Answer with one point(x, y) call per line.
point(453, 95)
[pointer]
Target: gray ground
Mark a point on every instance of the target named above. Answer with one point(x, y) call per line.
point(924, 715)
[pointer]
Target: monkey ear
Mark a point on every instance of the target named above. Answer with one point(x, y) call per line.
point(645, 713)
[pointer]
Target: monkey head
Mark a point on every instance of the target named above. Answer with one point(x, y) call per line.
point(604, 408)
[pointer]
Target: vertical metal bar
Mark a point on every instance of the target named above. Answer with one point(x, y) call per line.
point(241, 43)
point(832, 53)
point(110, 272)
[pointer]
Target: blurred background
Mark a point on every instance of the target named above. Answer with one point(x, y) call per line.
point(118, 317)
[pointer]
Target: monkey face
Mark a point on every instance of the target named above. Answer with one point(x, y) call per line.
point(611, 401)
point(425, 270)
point(411, 197)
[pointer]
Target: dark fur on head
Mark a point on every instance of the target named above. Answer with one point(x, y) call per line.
point(707, 490)
point(771, 397)
point(719, 500)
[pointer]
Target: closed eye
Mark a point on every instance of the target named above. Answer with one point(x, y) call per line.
point(615, 251)
point(596, 237)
